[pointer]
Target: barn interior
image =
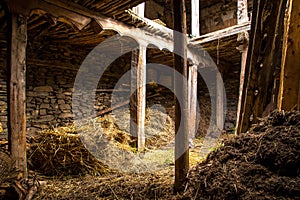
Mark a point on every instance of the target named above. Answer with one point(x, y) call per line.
point(50, 82)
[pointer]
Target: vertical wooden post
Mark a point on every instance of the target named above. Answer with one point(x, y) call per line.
point(17, 92)
point(192, 99)
point(242, 12)
point(219, 102)
point(244, 50)
point(242, 17)
point(138, 100)
point(195, 18)
point(139, 10)
point(289, 92)
point(181, 118)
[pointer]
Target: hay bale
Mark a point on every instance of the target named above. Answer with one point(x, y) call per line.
point(59, 152)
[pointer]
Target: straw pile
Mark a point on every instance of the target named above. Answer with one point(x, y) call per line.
point(59, 152)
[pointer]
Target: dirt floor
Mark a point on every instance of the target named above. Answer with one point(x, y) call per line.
point(261, 164)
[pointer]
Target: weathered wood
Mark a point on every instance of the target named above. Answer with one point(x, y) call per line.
point(195, 6)
point(192, 100)
point(244, 50)
point(181, 110)
point(290, 66)
point(141, 97)
point(243, 39)
point(17, 92)
point(264, 56)
point(139, 10)
point(242, 13)
point(133, 97)
point(138, 97)
point(219, 102)
point(233, 30)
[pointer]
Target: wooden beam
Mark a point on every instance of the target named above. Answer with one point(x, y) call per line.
point(195, 17)
point(243, 39)
point(181, 107)
point(17, 92)
point(219, 102)
point(141, 96)
point(138, 97)
point(289, 95)
point(233, 30)
point(79, 20)
point(152, 33)
point(192, 100)
point(264, 56)
point(244, 50)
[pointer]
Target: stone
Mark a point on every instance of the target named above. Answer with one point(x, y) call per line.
point(47, 106)
point(43, 89)
point(66, 115)
point(65, 107)
point(43, 112)
point(60, 96)
point(60, 101)
point(46, 118)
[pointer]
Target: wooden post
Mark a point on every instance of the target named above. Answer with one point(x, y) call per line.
point(138, 99)
point(242, 12)
point(219, 102)
point(192, 100)
point(243, 38)
point(289, 92)
point(181, 126)
point(195, 18)
point(244, 50)
point(139, 10)
point(17, 92)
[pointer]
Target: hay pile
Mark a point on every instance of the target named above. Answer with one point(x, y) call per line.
point(262, 164)
point(112, 186)
point(60, 152)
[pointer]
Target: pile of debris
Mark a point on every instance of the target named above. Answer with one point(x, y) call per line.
point(264, 163)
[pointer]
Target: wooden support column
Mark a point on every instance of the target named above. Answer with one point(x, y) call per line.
point(181, 110)
point(219, 102)
point(17, 92)
point(139, 10)
point(244, 50)
point(192, 100)
point(138, 98)
point(195, 6)
point(243, 38)
point(289, 92)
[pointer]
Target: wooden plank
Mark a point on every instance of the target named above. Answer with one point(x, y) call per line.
point(181, 118)
point(219, 102)
point(138, 99)
point(233, 30)
point(262, 59)
point(290, 67)
point(195, 6)
point(242, 12)
point(139, 9)
point(17, 92)
point(244, 50)
point(141, 97)
point(133, 97)
point(192, 100)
